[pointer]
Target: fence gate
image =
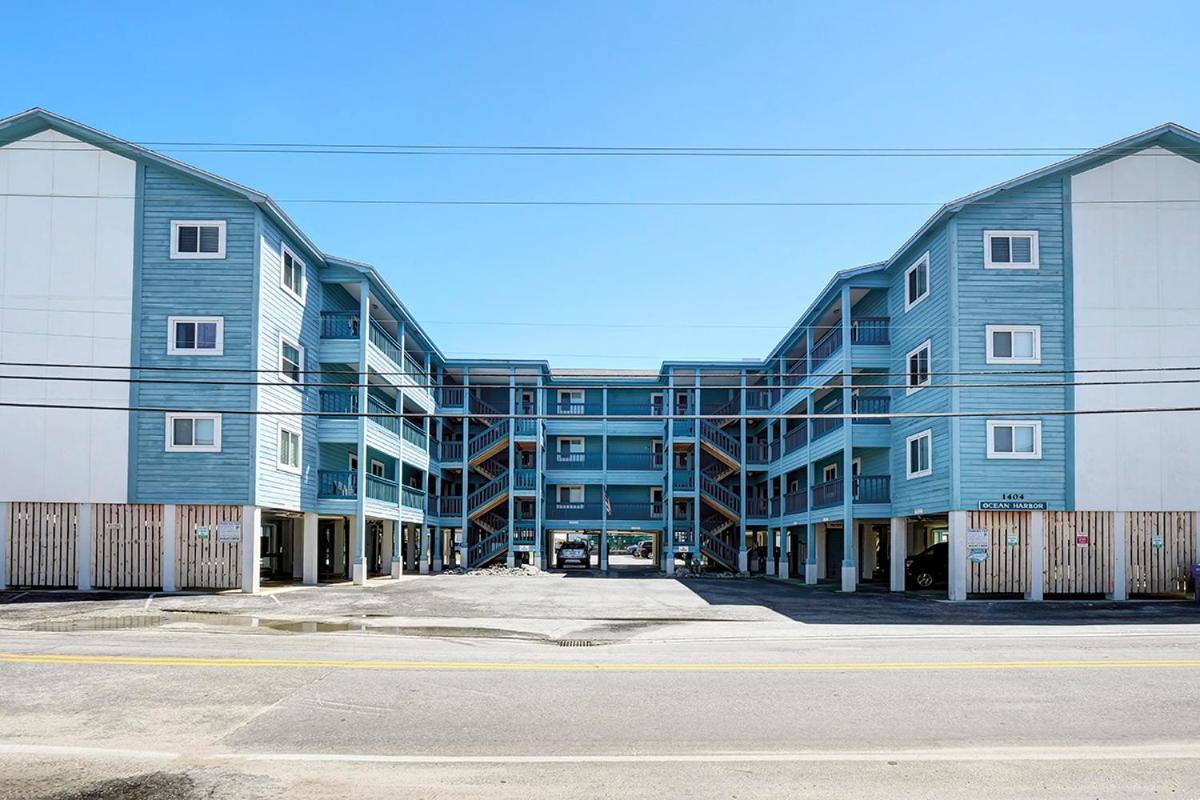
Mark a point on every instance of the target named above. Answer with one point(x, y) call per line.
point(43, 539)
point(1005, 570)
point(1079, 552)
point(127, 546)
point(204, 560)
point(1162, 545)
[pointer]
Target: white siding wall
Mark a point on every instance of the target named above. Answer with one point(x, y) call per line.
point(66, 281)
point(1137, 304)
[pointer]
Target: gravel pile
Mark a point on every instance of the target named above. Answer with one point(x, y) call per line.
point(497, 569)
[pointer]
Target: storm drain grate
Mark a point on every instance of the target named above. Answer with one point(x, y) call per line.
point(575, 643)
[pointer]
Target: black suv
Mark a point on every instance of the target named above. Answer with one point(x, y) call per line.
point(928, 568)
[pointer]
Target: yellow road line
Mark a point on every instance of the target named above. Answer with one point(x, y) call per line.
point(501, 666)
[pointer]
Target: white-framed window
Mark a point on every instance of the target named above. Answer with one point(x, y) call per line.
point(856, 467)
point(1010, 249)
point(916, 282)
point(829, 473)
point(354, 462)
point(681, 459)
point(292, 273)
point(1014, 439)
point(291, 359)
point(570, 494)
point(193, 433)
point(194, 238)
point(378, 468)
point(290, 448)
point(919, 448)
point(917, 366)
point(1014, 344)
point(195, 336)
point(570, 401)
point(656, 404)
point(571, 448)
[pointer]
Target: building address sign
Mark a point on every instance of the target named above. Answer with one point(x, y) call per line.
point(1012, 502)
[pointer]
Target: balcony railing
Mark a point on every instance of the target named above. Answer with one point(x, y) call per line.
point(339, 401)
point(565, 409)
point(415, 436)
point(685, 428)
point(524, 534)
point(871, 404)
point(525, 427)
point(758, 453)
point(758, 399)
point(829, 493)
point(412, 497)
point(451, 396)
point(795, 439)
point(386, 344)
point(524, 479)
point(798, 367)
point(635, 461)
point(339, 325)
point(383, 490)
point(776, 449)
point(644, 408)
point(756, 507)
point(450, 506)
point(383, 415)
point(872, 489)
point(337, 484)
point(869, 330)
point(825, 425)
point(636, 510)
point(561, 511)
point(826, 346)
point(795, 502)
point(450, 452)
point(684, 480)
point(574, 461)
point(414, 368)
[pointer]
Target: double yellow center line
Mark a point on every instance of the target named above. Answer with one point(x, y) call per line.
point(502, 666)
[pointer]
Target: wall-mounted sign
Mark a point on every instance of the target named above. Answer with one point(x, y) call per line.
point(979, 555)
point(229, 532)
point(1012, 505)
point(202, 532)
point(1012, 539)
point(1081, 539)
point(978, 538)
point(682, 548)
point(524, 548)
point(1156, 541)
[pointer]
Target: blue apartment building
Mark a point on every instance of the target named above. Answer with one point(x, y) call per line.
point(279, 414)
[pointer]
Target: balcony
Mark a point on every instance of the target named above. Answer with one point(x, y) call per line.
point(412, 497)
point(870, 330)
point(415, 436)
point(758, 399)
point(795, 502)
point(871, 404)
point(450, 506)
point(383, 490)
point(636, 462)
point(758, 453)
point(573, 511)
point(524, 479)
point(451, 396)
point(339, 324)
point(450, 452)
point(564, 409)
point(383, 415)
point(795, 439)
point(867, 489)
point(525, 427)
point(574, 461)
point(648, 408)
point(684, 480)
point(684, 428)
point(826, 346)
point(823, 426)
point(756, 507)
point(642, 510)
point(337, 484)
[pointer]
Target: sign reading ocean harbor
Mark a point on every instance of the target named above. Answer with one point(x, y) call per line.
point(1012, 505)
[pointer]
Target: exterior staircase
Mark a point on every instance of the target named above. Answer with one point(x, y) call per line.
point(717, 549)
point(488, 548)
point(488, 443)
point(488, 496)
point(720, 445)
point(719, 497)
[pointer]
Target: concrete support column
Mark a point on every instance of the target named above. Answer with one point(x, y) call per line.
point(83, 550)
point(394, 534)
point(4, 512)
point(427, 533)
point(170, 538)
point(810, 560)
point(1120, 557)
point(958, 555)
point(770, 554)
point(785, 552)
point(251, 548)
point(309, 547)
point(849, 569)
point(897, 553)
point(358, 534)
point(389, 553)
point(1037, 556)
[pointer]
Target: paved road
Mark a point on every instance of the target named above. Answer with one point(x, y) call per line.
point(748, 703)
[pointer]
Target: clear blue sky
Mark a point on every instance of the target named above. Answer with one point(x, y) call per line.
point(736, 74)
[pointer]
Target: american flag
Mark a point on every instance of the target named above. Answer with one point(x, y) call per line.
point(607, 503)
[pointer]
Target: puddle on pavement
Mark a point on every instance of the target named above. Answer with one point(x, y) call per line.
point(137, 621)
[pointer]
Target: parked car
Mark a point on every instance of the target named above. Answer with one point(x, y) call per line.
point(645, 548)
point(573, 552)
point(928, 568)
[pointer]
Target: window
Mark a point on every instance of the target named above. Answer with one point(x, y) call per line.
point(916, 282)
point(856, 467)
point(195, 336)
point(1010, 249)
point(291, 359)
point(656, 494)
point(197, 239)
point(378, 468)
point(570, 449)
point(918, 367)
point(293, 272)
point(570, 401)
point(195, 433)
point(570, 494)
point(1014, 344)
point(829, 473)
point(920, 454)
point(681, 459)
point(353, 462)
point(1014, 439)
point(289, 449)
point(656, 404)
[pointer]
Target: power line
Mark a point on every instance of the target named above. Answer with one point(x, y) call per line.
point(1003, 413)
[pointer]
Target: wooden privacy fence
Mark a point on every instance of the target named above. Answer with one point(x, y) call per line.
point(43, 540)
point(1006, 568)
point(204, 561)
point(1161, 547)
point(1078, 552)
point(127, 546)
